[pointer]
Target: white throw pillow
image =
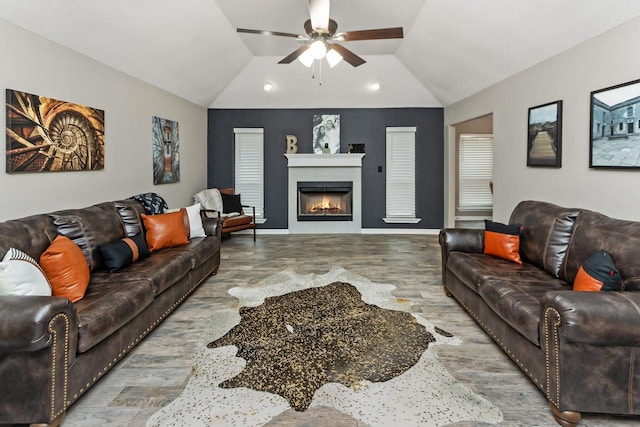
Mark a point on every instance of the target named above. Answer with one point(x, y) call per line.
point(21, 275)
point(195, 222)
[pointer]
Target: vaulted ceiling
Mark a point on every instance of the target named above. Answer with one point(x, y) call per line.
point(451, 50)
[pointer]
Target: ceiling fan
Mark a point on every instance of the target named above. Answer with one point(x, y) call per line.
point(322, 38)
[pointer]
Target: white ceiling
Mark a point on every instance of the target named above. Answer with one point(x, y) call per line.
point(452, 48)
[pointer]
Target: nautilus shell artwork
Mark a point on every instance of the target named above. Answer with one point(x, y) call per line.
point(48, 135)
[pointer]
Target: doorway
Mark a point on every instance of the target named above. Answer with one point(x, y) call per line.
point(473, 190)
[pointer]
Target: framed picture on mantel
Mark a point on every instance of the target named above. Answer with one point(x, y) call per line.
point(326, 133)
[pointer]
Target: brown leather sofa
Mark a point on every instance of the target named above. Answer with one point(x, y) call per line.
point(582, 349)
point(53, 350)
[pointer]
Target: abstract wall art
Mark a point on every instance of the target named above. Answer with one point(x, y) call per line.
point(49, 135)
point(166, 151)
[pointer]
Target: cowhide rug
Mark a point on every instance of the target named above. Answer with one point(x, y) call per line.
point(335, 340)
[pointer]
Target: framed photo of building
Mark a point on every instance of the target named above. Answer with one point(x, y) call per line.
point(544, 142)
point(326, 133)
point(615, 127)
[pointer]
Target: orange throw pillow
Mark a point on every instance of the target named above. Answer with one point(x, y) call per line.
point(66, 268)
point(165, 230)
point(502, 241)
point(598, 273)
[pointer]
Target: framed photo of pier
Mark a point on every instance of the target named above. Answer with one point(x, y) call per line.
point(544, 135)
point(615, 127)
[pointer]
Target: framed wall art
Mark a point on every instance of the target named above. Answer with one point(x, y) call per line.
point(544, 142)
point(326, 133)
point(49, 135)
point(615, 127)
point(166, 151)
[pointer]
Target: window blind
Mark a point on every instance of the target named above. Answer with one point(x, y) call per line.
point(249, 168)
point(475, 172)
point(401, 175)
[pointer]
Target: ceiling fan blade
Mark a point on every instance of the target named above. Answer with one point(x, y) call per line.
point(308, 27)
point(294, 55)
point(268, 33)
point(378, 34)
point(319, 13)
point(347, 55)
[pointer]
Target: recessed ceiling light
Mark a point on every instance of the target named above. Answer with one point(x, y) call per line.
point(268, 87)
point(374, 86)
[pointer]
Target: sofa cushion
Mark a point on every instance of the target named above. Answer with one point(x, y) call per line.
point(129, 212)
point(235, 221)
point(166, 230)
point(194, 219)
point(593, 232)
point(119, 254)
point(502, 240)
point(22, 275)
point(106, 307)
point(231, 203)
point(32, 235)
point(597, 273)
point(546, 233)
point(161, 270)
point(89, 228)
point(471, 268)
point(200, 249)
point(66, 268)
point(517, 301)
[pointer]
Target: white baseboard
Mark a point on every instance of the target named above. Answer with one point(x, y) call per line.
point(421, 231)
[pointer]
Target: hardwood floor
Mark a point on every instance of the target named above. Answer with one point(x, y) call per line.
point(157, 370)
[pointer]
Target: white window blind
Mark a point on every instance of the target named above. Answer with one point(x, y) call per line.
point(249, 169)
point(475, 172)
point(401, 175)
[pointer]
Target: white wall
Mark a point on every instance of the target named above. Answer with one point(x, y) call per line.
point(36, 65)
point(604, 61)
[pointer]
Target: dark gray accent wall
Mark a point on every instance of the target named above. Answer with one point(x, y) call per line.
point(357, 125)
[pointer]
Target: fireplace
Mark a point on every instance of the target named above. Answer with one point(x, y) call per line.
point(305, 168)
point(325, 201)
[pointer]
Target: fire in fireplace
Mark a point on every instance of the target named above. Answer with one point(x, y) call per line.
point(325, 201)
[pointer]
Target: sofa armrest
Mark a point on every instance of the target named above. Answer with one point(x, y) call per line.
point(460, 240)
point(253, 211)
point(212, 226)
point(24, 321)
point(38, 341)
point(595, 318)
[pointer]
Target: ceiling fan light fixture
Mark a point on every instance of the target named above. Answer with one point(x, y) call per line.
point(333, 58)
point(306, 58)
point(318, 49)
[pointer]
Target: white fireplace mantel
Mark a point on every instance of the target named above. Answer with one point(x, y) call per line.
point(325, 167)
point(324, 160)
